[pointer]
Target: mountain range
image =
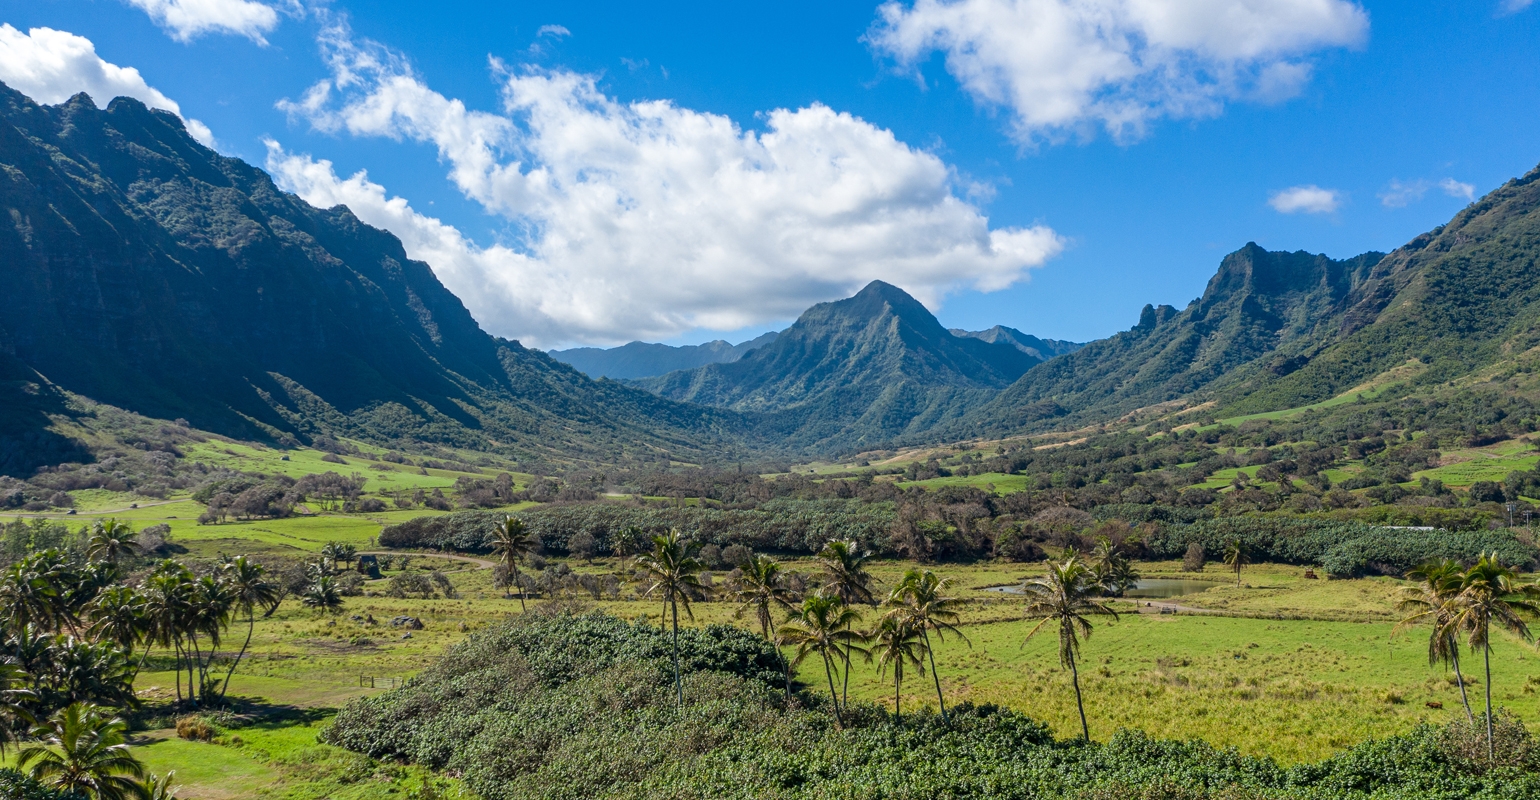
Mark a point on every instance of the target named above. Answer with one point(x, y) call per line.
point(148, 272)
point(646, 359)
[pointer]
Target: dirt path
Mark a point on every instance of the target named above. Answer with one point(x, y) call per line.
point(96, 512)
point(480, 563)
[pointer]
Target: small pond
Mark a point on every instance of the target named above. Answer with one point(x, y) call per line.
point(1147, 588)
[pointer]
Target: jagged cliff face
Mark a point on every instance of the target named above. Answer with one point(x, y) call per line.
point(147, 271)
point(1257, 302)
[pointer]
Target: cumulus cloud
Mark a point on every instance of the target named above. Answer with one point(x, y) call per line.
point(645, 219)
point(52, 66)
point(1455, 188)
point(1309, 199)
point(1065, 67)
point(185, 20)
point(553, 30)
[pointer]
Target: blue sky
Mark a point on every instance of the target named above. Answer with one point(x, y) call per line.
point(895, 156)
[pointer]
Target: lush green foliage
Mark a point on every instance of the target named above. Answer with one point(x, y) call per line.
point(16, 786)
point(1343, 548)
point(582, 707)
point(784, 525)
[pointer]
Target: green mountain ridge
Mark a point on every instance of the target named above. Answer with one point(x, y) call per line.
point(148, 272)
point(853, 373)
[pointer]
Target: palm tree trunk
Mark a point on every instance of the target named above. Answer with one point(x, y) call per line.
point(939, 698)
point(1074, 672)
point(1487, 656)
point(845, 690)
point(251, 625)
point(520, 579)
point(828, 672)
point(678, 682)
point(193, 662)
point(898, 711)
point(178, 666)
point(1460, 681)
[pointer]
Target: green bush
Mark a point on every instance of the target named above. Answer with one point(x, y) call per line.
point(782, 525)
point(1343, 548)
point(569, 707)
point(16, 786)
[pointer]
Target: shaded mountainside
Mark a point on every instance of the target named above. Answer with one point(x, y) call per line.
point(646, 359)
point(1257, 301)
point(1281, 330)
point(1041, 349)
point(147, 271)
point(854, 373)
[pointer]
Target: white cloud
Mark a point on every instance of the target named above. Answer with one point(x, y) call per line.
point(1309, 199)
point(1066, 66)
point(1515, 6)
point(1400, 195)
point(52, 66)
point(1455, 188)
point(553, 30)
point(185, 20)
point(646, 219)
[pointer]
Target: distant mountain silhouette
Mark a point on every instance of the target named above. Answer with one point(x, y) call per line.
point(646, 359)
point(1041, 349)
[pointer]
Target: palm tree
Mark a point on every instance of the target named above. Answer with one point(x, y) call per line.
point(169, 594)
point(1067, 595)
point(118, 616)
point(1490, 593)
point(1237, 557)
point(897, 641)
point(824, 625)
point(1437, 583)
point(161, 787)
point(34, 591)
point(762, 590)
point(13, 700)
point(675, 574)
point(249, 589)
point(323, 595)
point(844, 569)
point(1116, 573)
point(82, 750)
point(917, 600)
point(511, 543)
point(111, 542)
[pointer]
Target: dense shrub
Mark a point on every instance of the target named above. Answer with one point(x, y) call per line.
point(794, 526)
point(1343, 548)
point(16, 786)
point(569, 707)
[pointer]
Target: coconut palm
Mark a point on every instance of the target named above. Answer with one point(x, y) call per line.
point(249, 590)
point(895, 642)
point(918, 600)
point(323, 595)
point(118, 616)
point(1490, 593)
point(762, 590)
point(511, 543)
point(826, 626)
point(1115, 572)
point(169, 594)
point(81, 749)
point(674, 572)
point(37, 590)
point(161, 787)
point(13, 702)
point(1067, 595)
point(1437, 582)
point(1237, 556)
point(111, 542)
point(844, 572)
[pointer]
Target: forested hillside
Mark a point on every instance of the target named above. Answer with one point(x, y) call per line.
point(854, 373)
